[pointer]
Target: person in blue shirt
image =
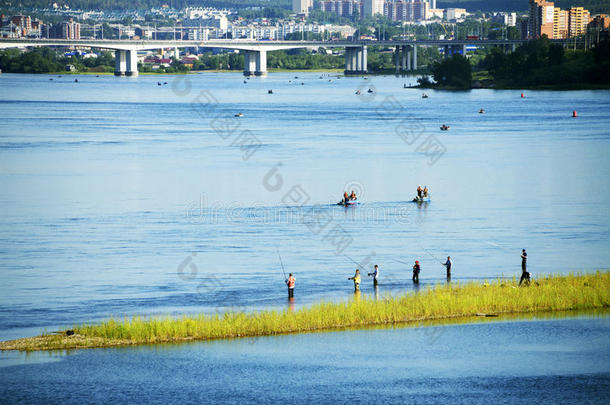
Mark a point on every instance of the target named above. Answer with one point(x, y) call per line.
point(375, 275)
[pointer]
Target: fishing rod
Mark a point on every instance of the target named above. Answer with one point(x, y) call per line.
point(434, 257)
point(280, 256)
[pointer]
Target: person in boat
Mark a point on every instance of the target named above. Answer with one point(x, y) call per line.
point(352, 196)
point(425, 191)
point(290, 283)
point(525, 275)
point(356, 279)
point(448, 264)
point(375, 275)
point(416, 270)
point(419, 191)
point(345, 197)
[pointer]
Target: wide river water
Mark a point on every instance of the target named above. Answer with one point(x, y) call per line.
point(128, 196)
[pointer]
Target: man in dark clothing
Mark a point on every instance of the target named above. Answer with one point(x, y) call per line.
point(448, 266)
point(416, 270)
point(525, 275)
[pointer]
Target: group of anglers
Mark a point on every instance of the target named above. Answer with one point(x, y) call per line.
point(416, 270)
point(356, 278)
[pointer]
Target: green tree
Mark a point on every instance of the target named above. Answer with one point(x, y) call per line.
point(453, 72)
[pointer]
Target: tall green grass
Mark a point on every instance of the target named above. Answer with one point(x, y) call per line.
point(443, 301)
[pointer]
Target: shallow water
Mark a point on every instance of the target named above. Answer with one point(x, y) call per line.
point(540, 360)
point(120, 197)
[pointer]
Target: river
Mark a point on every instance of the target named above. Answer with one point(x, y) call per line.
point(126, 196)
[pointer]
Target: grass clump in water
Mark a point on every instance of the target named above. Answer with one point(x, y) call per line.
point(456, 300)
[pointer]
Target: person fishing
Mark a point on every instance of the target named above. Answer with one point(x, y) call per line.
point(525, 275)
point(448, 264)
point(290, 283)
point(356, 279)
point(375, 275)
point(416, 270)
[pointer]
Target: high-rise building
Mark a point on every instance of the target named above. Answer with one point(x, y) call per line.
point(301, 6)
point(373, 7)
point(560, 23)
point(541, 17)
point(70, 30)
point(578, 18)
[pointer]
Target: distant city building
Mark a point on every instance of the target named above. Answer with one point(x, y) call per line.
point(301, 6)
point(555, 23)
point(70, 30)
point(560, 23)
point(412, 11)
point(343, 8)
point(373, 7)
point(395, 10)
point(508, 19)
point(578, 19)
point(600, 22)
point(541, 18)
point(455, 14)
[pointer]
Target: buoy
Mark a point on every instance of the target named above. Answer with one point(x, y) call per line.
point(522, 95)
point(574, 114)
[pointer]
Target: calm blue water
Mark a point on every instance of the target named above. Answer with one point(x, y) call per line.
point(120, 196)
point(523, 362)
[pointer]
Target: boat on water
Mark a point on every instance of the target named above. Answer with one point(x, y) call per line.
point(424, 95)
point(420, 200)
point(350, 203)
point(239, 115)
point(445, 127)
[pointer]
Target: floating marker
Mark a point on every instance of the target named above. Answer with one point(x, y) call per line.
point(574, 114)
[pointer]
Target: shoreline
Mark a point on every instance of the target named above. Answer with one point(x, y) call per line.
point(442, 303)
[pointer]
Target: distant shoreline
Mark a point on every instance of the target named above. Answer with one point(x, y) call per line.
point(449, 302)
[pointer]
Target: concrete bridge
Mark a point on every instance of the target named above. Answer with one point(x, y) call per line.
point(255, 52)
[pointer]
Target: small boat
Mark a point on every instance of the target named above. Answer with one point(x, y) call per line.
point(370, 91)
point(445, 127)
point(239, 115)
point(481, 111)
point(350, 203)
point(158, 83)
point(358, 92)
point(424, 95)
point(269, 91)
point(420, 200)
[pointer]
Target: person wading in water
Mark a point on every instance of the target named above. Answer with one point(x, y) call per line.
point(356, 279)
point(290, 283)
point(375, 275)
point(448, 264)
point(416, 270)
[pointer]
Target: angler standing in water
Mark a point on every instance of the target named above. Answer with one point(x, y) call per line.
point(416, 270)
point(375, 275)
point(525, 275)
point(356, 279)
point(290, 283)
point(448, 264)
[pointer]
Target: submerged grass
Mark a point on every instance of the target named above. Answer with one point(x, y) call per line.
point(456, 300)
